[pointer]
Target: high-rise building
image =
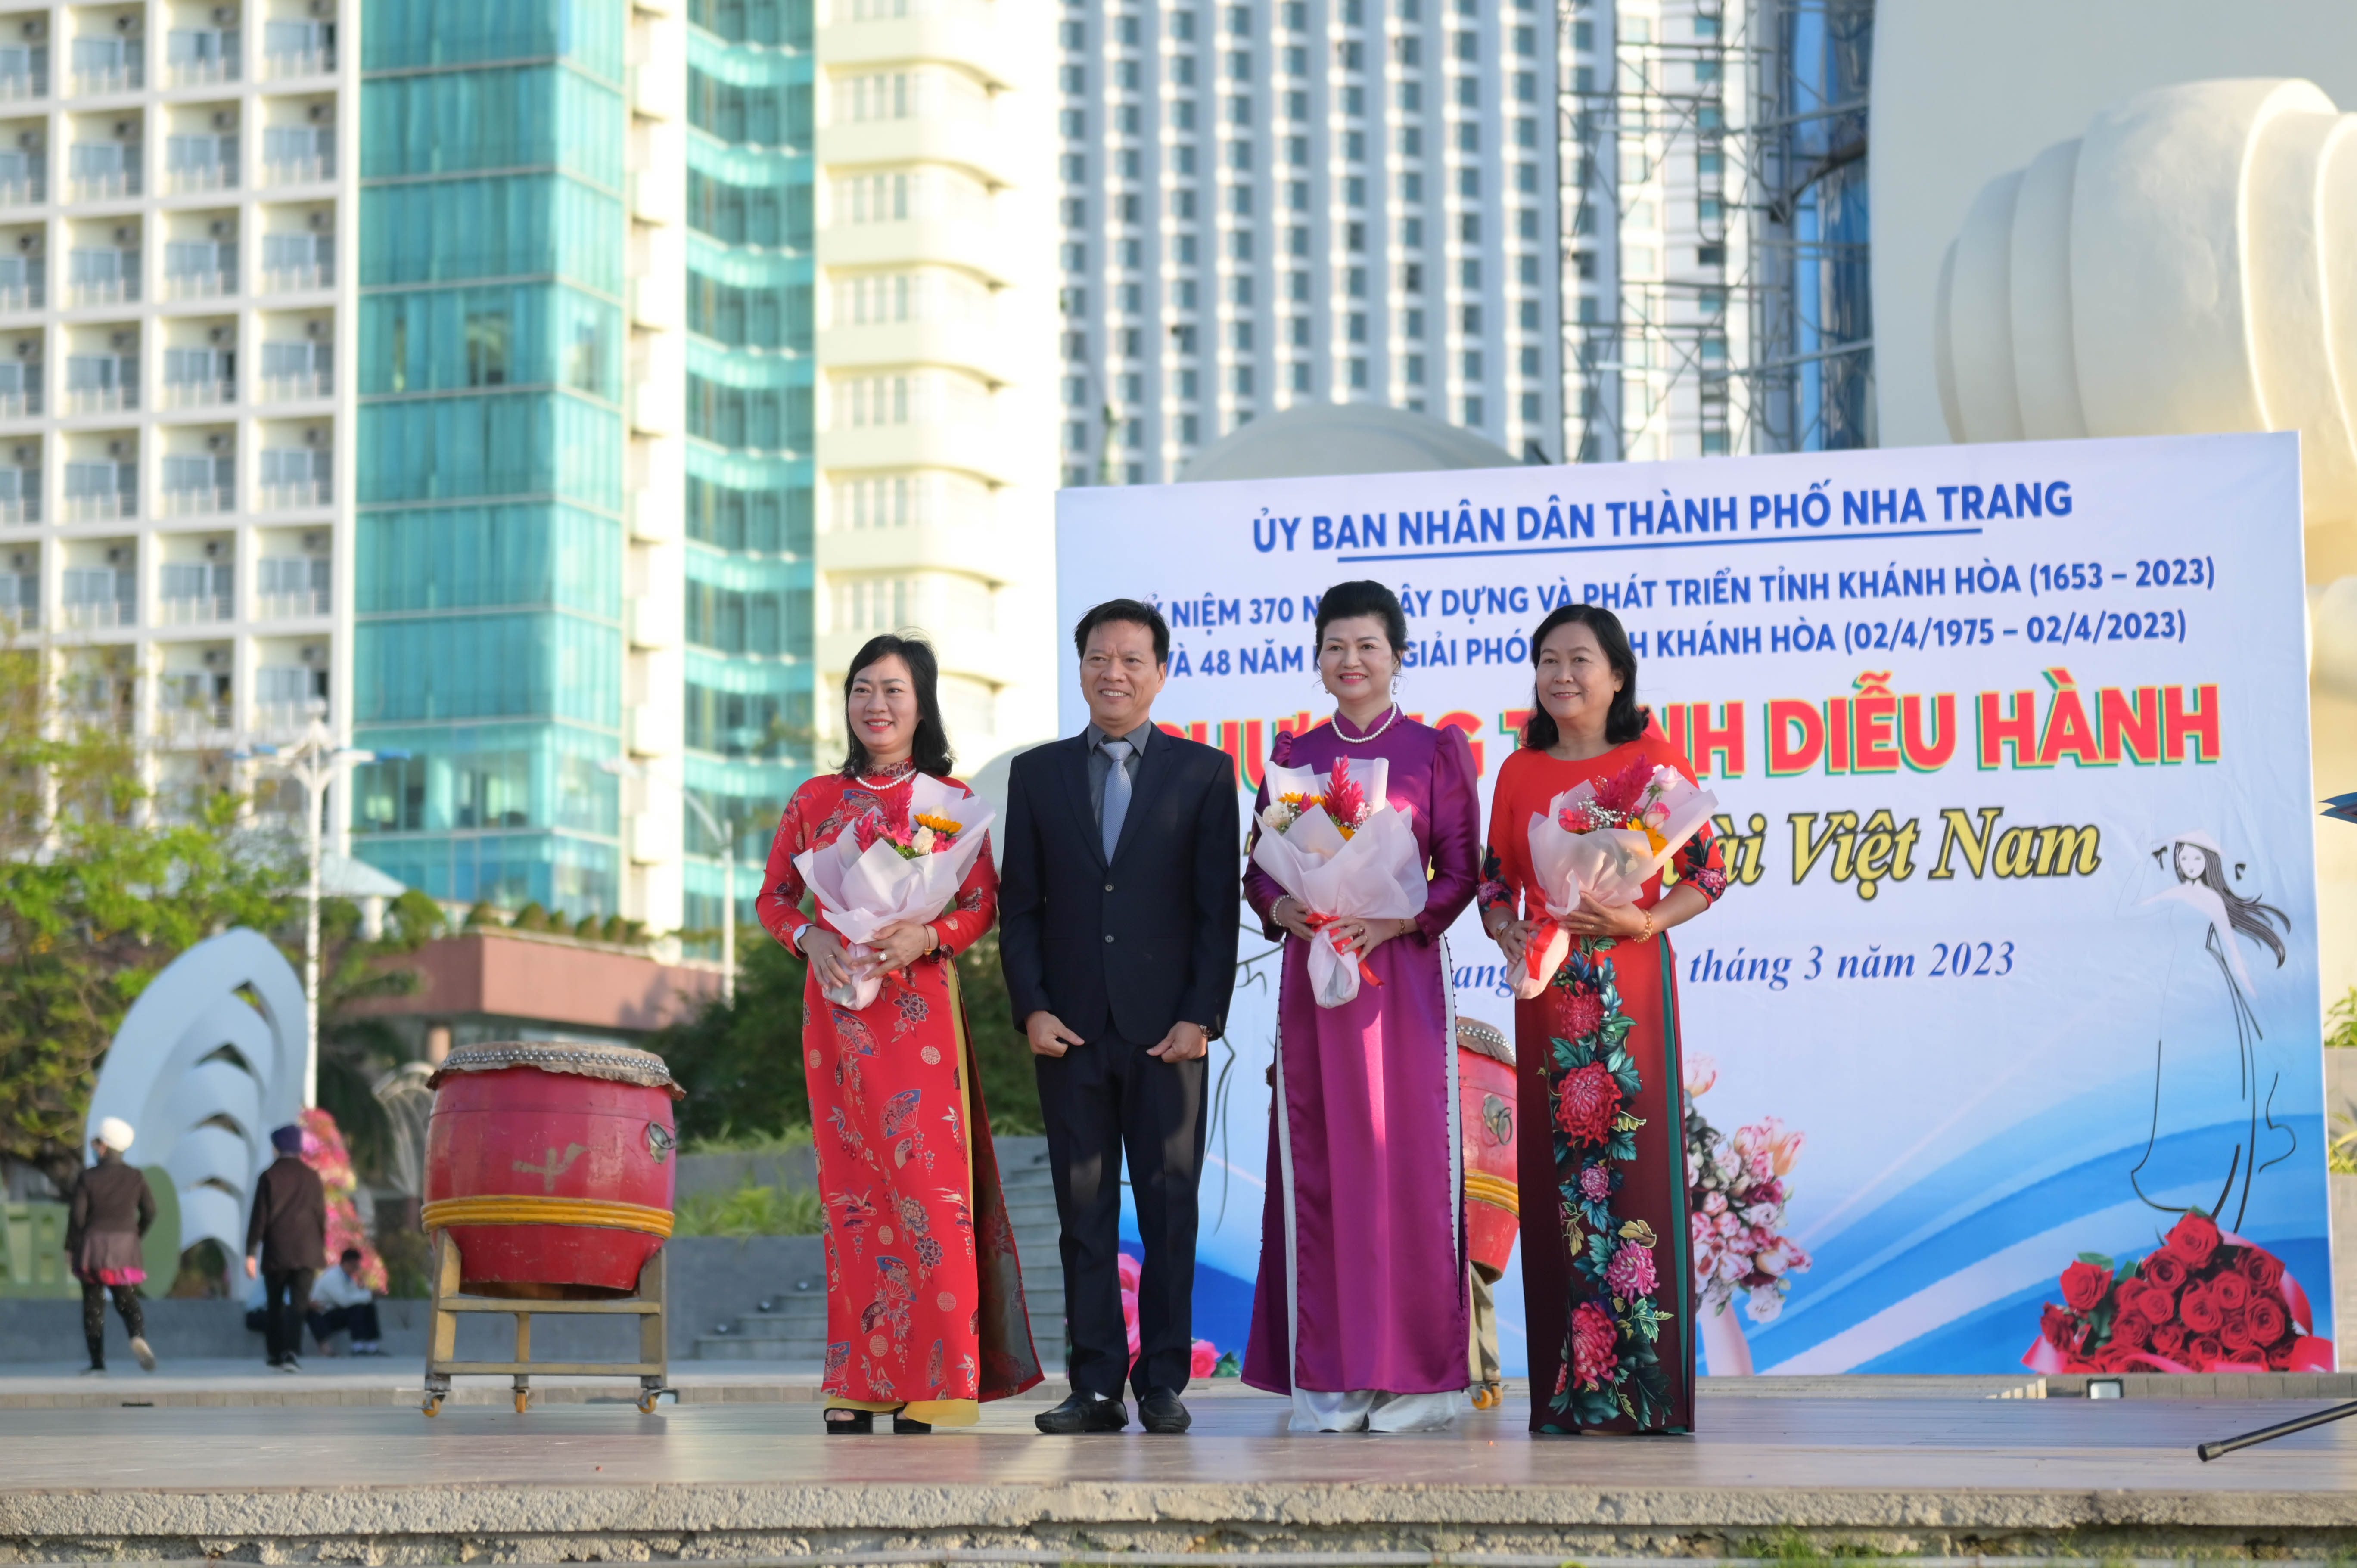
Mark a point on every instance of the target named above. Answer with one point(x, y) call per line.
point(490, 504)
point(175, 343)
point(1346, 200)
point(936, 454)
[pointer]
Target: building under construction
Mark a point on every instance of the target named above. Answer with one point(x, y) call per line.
point(1716, 295)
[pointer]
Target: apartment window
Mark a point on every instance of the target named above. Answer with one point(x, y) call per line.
point(1296, 329)
point(1358, 373)
point(1471, 367)
point(1301, 376)
point(1415, 369)
point(1357, 326)
point(1530, 361)
point(1415, 323)
point(1474, 413)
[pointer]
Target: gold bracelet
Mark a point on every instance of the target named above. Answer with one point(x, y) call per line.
point(1649, 926)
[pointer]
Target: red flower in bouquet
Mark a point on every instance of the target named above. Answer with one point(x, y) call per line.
point(2230, 1291)
point(2164, 1269)
point(2263, 1269)
point(2131, 1332)
point(2168, 1339)
point(2235, 1333)
point(1594, 1347)
point(1623, 792)
point(2203, 1350)
point(2193, 1239)
point(2148, 1302)
point(1583, 1014)
point(2062, 1330)
point(2269, 1320)
point(2199, 1310)
point(2084, 1286)
point(1346, 798)
point(1587, 1104)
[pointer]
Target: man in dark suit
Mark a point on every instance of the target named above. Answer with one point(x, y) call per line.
point(286, 1243)
point(1117, 915)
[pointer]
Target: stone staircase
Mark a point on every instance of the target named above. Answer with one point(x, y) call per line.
point(790, 1326)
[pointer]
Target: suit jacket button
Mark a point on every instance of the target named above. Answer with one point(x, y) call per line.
point(1108, 936)
point(1108, 887)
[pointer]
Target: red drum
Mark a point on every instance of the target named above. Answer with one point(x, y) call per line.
point(1485, 1077)
point(551, 1164)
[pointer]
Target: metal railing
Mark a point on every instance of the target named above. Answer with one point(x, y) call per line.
point(23, 405)
point(296, 606)
point(199, 500)
point(20, 510)
point(120, 289)
point(95, 615)
point(203, 72)
point(109, 182)
point(198, 286)
point(310, 170)
point(101, 399)
point(21, 85)
point(279, 64)
point(24, 297)
point(295, 388)
point(295, 280)
point(201, 177)
point(126, 77)
point(190, 610)
point(102, 507)
point(24, 192)
point(198, 719)
point(296, 496)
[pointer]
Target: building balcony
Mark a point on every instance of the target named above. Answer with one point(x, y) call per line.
point(962, 141)
point(201, 177)
point(976, 447)
point(200, 610)
point(104, 507)
point(974, 345)
point(287, 721)
point(977, 247)
point(964, 32)
point(298, 280)
point(198, 395)
point(108, 185)
point(200, 501)
point(196, 723)
point(299, 389)
point(20, 618)
point(24, 297)
point(101, 399)
point(21, 87)
point(20, 511)
point(25, 404)
point(303, 605)
point(102, 614)
point(198, 286)
point(283, 65)
point(312, 170)
point(128, 77)
point(24, 192)
point(298, 497)
point(120, 289)
point(204, 72)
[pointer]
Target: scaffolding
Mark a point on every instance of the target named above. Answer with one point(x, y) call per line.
point(1715, 260)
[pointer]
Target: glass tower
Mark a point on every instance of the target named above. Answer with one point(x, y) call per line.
point(489, 504)
point(748, 628)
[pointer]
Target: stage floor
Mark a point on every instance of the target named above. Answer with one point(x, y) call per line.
point(1936, 1475)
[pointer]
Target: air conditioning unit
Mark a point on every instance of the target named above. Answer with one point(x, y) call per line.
point(224, 119)
point(25, 347)
point(29, 243)
point(214, 443)
point(314, 329)
point(219, 227)
point(118, 554)
point(123, 129)
point(315, 542)
point(217, 334)
point(126, 25)
point(212, 549)
point(124, 234)
point(24, 454)
point(323, 7)
point(215, 658)
point(123, 340)
point(28, 139)
point(116, 448)
point(32, 29)
point(223, 16)
point(320, 221)
point(313, 436)
point(314, 654)
point(317, 113)
point(21, 562)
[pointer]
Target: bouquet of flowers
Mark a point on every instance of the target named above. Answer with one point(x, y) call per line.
point(1604, 840)
point(324, 1151)
point(2205, 1300)
point(1338, 847)
point(1735, 1208)
point(880, 871)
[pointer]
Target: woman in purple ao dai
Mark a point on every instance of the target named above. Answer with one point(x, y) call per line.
point(1361, 1313)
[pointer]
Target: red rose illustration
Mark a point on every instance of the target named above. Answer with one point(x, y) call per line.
point(2232, 1291)
point(2152, 1303)
point(2200, 1311)
point(2062, 1330)
point(2269, 1320)
point(2204, 1349)
point(1583, 1014)
point(2168, 1338)
point(2130, 1332)
point(2194, 1239)
point(1587, 1104)
point(2084, 1286)
point(2263, 1270)
point(2235, 1332)
point(2165, 1271)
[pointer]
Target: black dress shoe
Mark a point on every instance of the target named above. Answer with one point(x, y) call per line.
point(1160, 1410)
point(905, 1427)
point(1084, 1412)
point(849, 1422)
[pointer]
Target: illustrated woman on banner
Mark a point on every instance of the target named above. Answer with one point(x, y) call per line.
point(2212, 1126)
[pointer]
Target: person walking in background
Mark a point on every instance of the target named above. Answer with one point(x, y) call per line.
point(109, 1216)
point(1611, 1343)
point(341, 1300)
point(1361, 1313)
point(286, 1244)
point(1119, 944)
point(924, 1311)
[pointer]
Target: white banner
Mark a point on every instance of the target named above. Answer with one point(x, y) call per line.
point(2012, 746)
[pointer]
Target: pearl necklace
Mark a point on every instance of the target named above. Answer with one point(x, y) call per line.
point(1345, 736)
point(897, 773)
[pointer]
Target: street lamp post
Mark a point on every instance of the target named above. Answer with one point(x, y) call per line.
point(314, 762)
point(718, 830)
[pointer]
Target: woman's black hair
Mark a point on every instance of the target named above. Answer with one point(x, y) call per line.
point(1348, 601)
point(2248, 916)
point(930, 751)
point(1624, 721)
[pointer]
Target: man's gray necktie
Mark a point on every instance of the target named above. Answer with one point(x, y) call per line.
point(1117, 794)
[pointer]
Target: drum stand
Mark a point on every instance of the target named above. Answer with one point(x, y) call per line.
point(2209, 1451)
point(445, 1303)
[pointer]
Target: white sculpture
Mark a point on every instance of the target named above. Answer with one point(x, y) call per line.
point(204, 1074)
point(2189, 266)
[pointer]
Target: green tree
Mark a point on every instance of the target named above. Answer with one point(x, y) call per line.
point(98, 892)
point(742, 1067)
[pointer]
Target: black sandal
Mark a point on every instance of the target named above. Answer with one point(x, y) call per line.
point(851, 1422)
point(902, 1426)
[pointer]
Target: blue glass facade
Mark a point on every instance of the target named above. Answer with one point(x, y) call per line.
point(490, 544)
point(749, 614)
